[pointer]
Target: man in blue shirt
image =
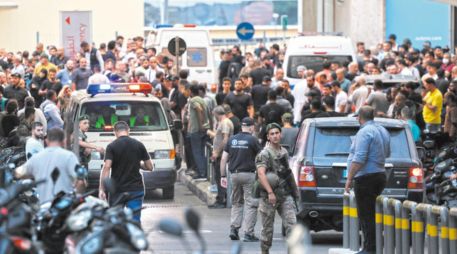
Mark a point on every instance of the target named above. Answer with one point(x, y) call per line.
point(366, 160)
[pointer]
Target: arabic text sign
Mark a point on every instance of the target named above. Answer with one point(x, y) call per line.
point(75, 27)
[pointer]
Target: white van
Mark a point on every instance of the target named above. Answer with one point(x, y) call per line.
point(313, 51)
point(108, 103)
point(199, 56)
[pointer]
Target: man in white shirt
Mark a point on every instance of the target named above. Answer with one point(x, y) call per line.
point(360, 94)
point(341, 97)
point(299, 91)
point(34, 144)
point(97, 77)
point(153, 69)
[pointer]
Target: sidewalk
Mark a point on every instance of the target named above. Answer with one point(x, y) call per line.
point(202, 189)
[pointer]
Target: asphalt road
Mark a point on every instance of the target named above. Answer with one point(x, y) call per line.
point(215, 228)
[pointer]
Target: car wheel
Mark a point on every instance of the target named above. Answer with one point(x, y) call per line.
point(169, 192)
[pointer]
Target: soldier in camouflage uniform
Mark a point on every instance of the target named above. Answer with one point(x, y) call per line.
point(276, 196)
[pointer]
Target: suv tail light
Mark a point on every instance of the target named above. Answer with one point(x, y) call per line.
point(307, 177)
point(416, 178)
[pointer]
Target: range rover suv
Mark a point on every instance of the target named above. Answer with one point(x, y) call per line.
point(319, 164)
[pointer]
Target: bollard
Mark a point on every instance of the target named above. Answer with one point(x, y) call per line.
point(396, 205)
point(443, 213)
point(407, 209)
point(453, 229)
point(432, 231)
point(389, 230)
point(346, 220)
point(354, 239)
point(417, 228)
point(378, 219)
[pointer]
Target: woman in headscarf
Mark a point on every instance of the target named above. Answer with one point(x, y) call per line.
point(35, 86)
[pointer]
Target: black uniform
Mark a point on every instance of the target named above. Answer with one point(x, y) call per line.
point(242, 149)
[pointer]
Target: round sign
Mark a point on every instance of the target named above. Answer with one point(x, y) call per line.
point(178, 45)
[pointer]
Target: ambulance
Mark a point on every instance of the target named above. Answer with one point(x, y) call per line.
point(198, 57)
point(105, 104)
point(313, 51)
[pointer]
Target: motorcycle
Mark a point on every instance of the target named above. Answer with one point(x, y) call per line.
point(432, 143)
point(439, 188)
point(106, 230)
point(15, 219)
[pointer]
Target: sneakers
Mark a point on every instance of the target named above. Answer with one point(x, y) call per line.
point(250, 238)
point(234, 234)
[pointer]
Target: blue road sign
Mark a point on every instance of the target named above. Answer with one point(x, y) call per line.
point(245, 31)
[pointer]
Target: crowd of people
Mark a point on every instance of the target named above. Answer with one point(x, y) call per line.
point(251, 90)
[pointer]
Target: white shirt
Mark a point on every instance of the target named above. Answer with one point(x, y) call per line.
point(98, 78)
point(32, 147)
point(299, 91)
point(359, 97)
point(340, 99)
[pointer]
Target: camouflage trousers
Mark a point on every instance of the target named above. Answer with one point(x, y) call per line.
point(244, 206)
point(285, 208)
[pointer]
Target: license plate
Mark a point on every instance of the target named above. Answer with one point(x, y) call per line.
point(345, 173)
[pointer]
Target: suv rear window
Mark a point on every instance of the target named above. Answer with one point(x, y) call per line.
point(141, 116)
point(313, 62)
point(337, 142)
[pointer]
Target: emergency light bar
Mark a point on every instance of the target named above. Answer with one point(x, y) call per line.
point(94, 89)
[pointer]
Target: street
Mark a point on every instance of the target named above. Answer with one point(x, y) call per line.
point(215, 227)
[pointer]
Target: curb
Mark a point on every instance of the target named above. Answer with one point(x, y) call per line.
point(340, 251)
point(200, 188)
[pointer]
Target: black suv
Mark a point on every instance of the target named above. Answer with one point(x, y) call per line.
point(319, 163)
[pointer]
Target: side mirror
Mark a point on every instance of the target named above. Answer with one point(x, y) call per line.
point(420, 152)
point(171, 227)
point(192, 220)
point(177, 124)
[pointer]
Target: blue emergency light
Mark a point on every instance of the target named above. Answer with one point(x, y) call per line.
point(94, 89)
point(158, 26)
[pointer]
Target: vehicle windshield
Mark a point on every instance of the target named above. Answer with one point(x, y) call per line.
point(329, 136)
point(312, 62)
point(140, 116)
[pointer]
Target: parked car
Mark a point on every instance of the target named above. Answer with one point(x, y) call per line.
point(319, 164)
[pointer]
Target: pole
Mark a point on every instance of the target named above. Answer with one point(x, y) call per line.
point(37, 37)
point(177, 54)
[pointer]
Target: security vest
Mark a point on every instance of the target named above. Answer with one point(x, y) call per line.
point(101, 121)
point(133, 120)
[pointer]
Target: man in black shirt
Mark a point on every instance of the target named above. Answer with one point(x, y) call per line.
point(240, 152)
point(15, 91)
point(259, 93)
point(240, 102)
point(226, 85)
point(272, 111)
point(224, 66)
point(123, 159)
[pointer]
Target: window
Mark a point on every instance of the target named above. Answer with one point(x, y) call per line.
point(196, 57)
point(219, 12)
point(329, 136)
point(312, 62)
point(141, 116)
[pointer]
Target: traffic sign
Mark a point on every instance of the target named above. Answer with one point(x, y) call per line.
point(177, 41)
point(245, 31)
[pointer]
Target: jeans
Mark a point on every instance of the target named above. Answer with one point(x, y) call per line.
point(188, 151)
point(134, 202)
point(366, 189)
point(221, 191)
point(197, 142)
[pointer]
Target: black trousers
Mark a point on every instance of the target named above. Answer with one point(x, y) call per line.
point(221, 191)
point(366, 189)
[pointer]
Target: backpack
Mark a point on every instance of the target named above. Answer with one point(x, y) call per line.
point(234, 70)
